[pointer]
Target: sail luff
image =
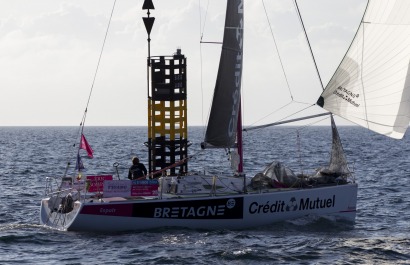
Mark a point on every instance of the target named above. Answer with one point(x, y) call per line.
point(222, 125)
point(371, 86)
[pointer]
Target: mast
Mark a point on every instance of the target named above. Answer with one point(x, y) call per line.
point(240, 141)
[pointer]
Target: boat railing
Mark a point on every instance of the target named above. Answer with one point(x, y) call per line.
point(210, 185)
point(61, 191)
point(49, 185)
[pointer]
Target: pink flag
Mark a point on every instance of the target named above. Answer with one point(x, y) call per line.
point(84, 145)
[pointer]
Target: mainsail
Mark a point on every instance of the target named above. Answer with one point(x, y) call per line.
point(222, 124)
point(371, 86)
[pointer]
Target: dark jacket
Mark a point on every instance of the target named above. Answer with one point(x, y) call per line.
point(137, 171)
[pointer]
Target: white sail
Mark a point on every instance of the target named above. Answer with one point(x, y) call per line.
point(371, 86)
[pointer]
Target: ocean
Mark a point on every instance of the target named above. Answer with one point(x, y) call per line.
point(380, 235)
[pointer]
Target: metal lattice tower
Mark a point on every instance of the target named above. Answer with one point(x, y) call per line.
point(167, 113)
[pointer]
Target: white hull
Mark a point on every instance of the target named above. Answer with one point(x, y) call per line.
point(235, 211)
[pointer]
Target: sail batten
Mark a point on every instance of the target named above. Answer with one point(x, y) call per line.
point(222, 124)
point(371, 86)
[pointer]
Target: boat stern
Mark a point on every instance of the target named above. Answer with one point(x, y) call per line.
point(59, 213)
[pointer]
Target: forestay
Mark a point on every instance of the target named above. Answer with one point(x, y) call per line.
point(371, 86)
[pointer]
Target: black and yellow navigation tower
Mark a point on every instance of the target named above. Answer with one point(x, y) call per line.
point(167, 114)
point(167, 108)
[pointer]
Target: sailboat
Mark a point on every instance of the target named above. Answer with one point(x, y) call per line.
point(370, 88)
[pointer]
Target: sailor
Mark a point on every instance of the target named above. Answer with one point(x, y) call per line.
point(137, 170)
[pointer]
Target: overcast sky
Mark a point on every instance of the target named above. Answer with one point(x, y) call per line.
point(49, 51)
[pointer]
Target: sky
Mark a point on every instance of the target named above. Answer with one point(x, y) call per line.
point(49, 51)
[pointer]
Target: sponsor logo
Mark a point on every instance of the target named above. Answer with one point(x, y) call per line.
point(107, 211)
point(188, 212)
point(227, 208)
point(307, 204)
point(110, 210)
point(230, 203)
point(193, 211)
point(347, 95)
point(292, 205)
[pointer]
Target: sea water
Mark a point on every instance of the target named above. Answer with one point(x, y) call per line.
point(381, 234)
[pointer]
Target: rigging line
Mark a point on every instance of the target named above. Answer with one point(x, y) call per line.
point(284, 106)
point(301, 102)
point(287, 104)
point(299, 140)
point(72, 150)
point(96, 70)
point(81, 129)
point(200, 62)
point(211, 42)
point(280, 121)
point(307, 39)
point(299, 150)
point(201, 30)
point(314, 122)
point(299, 111)
point(277, 51)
